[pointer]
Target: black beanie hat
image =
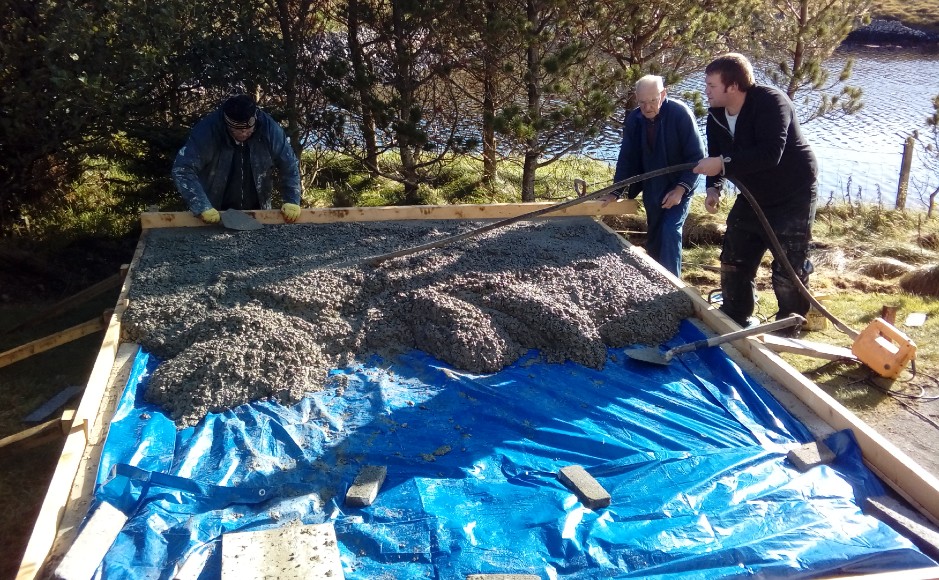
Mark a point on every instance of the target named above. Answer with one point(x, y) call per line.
point(239, 109)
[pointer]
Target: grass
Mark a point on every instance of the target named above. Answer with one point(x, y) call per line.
point(915, 13)
point(101, 204)
point(337, 181)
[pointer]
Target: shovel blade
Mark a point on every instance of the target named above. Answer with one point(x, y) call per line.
point(234, 219)
point(649, 355)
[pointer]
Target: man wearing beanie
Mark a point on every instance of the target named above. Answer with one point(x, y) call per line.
point(228, 162)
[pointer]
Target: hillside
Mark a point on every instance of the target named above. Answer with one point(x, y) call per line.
point(919, 14)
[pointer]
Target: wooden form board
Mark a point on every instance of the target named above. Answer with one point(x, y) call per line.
point(807, 348)
point(64, 305)
point(25, 435)
point(70, 491)
point(421, 212)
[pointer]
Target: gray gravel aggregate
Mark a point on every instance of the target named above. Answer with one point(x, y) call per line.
point(241, 316)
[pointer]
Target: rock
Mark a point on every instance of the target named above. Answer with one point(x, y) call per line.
point(881, 31)
point(884, 268)
point(922, 281)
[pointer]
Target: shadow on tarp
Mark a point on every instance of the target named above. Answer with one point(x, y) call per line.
point(693, 455)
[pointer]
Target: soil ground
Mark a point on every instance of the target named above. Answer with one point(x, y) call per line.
point(31, 284)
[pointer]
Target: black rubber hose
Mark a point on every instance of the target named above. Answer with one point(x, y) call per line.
point(374, 261)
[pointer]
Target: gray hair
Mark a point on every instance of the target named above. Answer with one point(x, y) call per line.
point(656, 80)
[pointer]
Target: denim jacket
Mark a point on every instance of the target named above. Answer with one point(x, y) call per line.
point(677, 141)
point(202, 166)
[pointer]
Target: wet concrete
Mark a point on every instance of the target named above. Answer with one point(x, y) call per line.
point(243, 316)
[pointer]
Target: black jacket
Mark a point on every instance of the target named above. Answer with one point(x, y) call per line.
point(767, 153)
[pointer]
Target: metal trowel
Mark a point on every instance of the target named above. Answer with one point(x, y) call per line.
point(234, 219)
point(656, 356)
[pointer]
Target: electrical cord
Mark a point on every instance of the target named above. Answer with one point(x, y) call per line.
point(871, 379)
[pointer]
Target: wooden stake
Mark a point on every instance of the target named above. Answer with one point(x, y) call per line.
point(905, 173)
point(43, 344)
point(63, 305)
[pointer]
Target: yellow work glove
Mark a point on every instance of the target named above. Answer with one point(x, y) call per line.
point(210, 216)
point(291, 212)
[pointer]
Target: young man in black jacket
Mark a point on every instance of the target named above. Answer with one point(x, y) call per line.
point(754, 138)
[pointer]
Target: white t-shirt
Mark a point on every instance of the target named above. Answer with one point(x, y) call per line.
point(732, 122)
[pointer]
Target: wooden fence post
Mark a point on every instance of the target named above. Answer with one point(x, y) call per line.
point(905, 173)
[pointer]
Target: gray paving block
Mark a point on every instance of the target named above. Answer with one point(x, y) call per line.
point(365, 488)
point(588, 489)
point(92, 544)
point(907, 522)
point(291, 552)
point(503, 577)
point(810, 455)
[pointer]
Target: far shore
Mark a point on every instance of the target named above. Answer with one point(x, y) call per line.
point(892, 34)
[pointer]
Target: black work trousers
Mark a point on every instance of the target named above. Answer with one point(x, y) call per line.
point(745, 243)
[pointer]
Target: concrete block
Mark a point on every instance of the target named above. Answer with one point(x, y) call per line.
point(588, 489)
point(503, 577)
point(810, 455)
point(907, 522)
point(291, 552)
point(191, 568)
point(365, 488)
point(92, 543)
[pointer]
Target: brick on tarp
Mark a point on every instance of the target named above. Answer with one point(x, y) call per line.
point(588, 489)
point(365, 488)
point(811, 455)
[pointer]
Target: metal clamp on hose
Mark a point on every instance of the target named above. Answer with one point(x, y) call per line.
point(580, 187)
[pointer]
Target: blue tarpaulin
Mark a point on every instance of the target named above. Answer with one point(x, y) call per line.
point(693, 455)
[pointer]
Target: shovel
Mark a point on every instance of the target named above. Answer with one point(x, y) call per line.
point(655, 356)
point(234, 219)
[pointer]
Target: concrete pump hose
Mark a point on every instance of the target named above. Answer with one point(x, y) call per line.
point(376, 260)
point(780, 254)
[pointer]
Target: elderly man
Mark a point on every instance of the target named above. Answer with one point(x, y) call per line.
point(754, 138)
point(228, 160)
point(659, 133)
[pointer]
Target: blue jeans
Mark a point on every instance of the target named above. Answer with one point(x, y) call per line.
point(745, 242)
point(663, 241)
